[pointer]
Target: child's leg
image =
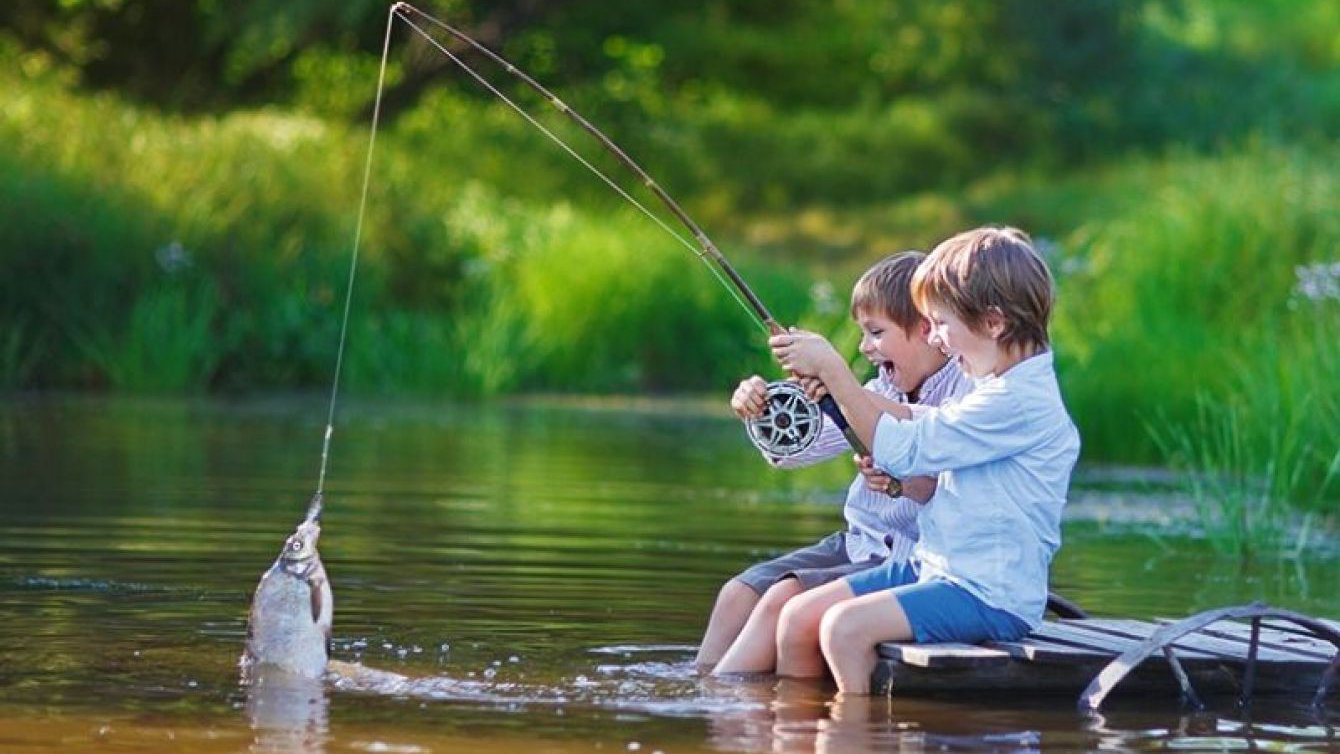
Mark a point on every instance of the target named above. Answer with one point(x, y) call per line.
point(928, 611)
point(735, 602)
point(849, 632)
point(740, 595)
point(755, 650)
point(797, 637)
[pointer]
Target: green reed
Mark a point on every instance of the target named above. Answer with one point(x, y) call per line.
point(1260, 460)
point(166, 344)
point(1190, 317)
point(1164, 300)
point(162, 253)
point(18, 354)
point(148, 252)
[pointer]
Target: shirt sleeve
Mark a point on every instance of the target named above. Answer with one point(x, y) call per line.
point(918, 409)
point(986, 425)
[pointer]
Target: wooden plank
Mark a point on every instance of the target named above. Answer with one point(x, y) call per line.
point(1007, 678)
point(1198, 641)
point(1290, 627)
point(1303, 644)
point(1017, 678)
point(942, 655)
point(1076, 634)
point(1064, 656)
point(1038, 650)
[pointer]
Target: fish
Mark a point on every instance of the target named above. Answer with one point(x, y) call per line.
point(288, 626)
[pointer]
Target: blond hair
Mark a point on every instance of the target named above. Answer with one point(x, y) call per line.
point(886, 287)
point(990, 268)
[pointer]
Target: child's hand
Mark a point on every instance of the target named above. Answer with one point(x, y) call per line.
point(749, 398)
point(875, 480)
point(813, 387)
point(805, 354)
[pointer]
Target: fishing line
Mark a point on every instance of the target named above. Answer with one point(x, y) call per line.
point(789, 423)
point(314, 511)
point(701, 252)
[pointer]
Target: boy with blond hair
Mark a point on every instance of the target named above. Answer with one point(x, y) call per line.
point(1004, 454)
point(740, 636)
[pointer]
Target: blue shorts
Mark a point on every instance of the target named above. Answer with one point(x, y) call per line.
point(938, 610)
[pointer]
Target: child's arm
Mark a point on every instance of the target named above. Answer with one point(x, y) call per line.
point(918, 489)
point(991, 423)
point(810, 355)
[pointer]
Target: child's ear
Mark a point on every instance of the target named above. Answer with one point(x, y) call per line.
point(924, 328)
point(995, 322)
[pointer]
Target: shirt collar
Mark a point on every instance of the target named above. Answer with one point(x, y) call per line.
point(941, 380)
point(1042, 360)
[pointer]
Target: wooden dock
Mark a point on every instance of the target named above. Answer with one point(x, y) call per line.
point(1213, 652)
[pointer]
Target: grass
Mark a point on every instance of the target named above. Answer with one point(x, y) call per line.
point(462, 289)
point(1254, 492)
point(18, 355)
point(1166, 299)
point(146, 252)
point(165, 346)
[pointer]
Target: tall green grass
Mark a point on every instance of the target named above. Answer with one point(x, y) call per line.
point(462, 288)
point(18, 354)
point(1260, 459)
point(167, 344)
point(1163, 301)
point(1187, 338)
point(156, 253)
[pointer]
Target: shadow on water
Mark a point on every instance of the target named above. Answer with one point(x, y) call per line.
point(519, 576)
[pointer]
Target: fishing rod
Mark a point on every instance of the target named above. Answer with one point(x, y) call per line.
point(790, 421)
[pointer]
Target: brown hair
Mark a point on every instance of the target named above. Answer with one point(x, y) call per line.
point(886, 288)
point(990, 268)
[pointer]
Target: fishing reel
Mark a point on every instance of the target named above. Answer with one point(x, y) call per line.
point(789, 423)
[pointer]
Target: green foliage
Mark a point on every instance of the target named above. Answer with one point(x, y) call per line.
point(18, 354)
point(1163, 300)
point(1172, 157)
point(1263, 450)
point(165, 346)
point(459, 290)
point(68, 265)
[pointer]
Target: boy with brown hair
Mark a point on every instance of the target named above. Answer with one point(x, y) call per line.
point(1003, 454)
point(741, 632)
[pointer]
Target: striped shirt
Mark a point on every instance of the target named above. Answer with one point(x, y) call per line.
point(878, 526)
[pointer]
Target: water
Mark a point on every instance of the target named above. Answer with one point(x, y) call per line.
point(540, 571)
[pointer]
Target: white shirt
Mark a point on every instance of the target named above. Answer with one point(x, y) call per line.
point(1004, 454)
point(879, 526)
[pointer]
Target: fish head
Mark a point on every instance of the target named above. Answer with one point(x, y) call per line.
point(300, 547)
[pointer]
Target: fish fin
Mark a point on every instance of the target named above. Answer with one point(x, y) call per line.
point(314, 587)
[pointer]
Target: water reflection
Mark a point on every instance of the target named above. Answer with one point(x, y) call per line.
point(1281, 725)
point(805, 716)
point(287, 712)
point(526, 577)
